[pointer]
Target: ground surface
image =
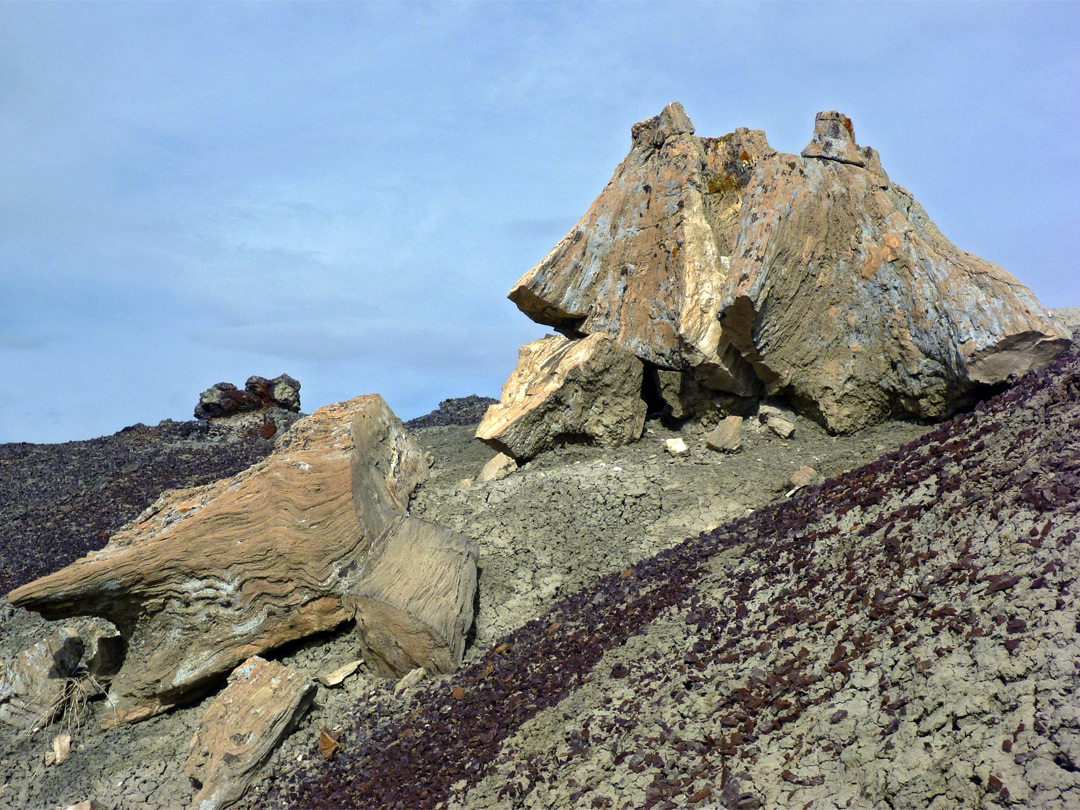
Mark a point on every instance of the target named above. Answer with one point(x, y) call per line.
point(685, 681)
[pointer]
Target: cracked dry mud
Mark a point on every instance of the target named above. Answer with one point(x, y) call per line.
point(857, 644)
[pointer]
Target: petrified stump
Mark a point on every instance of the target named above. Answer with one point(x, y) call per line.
point(210, 576)
point(242, 727)
point(567, 389)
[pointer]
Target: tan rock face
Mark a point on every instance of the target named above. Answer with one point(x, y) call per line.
point(647, 263)
point(208, 577)
point(589, 388)
point(809, 276)
point(415, 602)
point(242, 727)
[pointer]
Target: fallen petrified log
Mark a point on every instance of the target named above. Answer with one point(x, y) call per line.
point(208, 577)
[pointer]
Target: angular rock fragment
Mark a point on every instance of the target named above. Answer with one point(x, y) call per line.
point(676, 447)
point(338, 676)
point(498, 468)
point(587, 389)
point(726, 436)
point(414, 604)
point(33, 687)
point(243, 725)
point(804, 477)
point(209, 576)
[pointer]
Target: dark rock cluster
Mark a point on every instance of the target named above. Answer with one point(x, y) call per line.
point(225, 399)
point(454, 411)
point(902, 632)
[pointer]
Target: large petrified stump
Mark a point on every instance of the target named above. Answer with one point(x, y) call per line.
point(564, 389)
point(808, 276)
point(208, 577)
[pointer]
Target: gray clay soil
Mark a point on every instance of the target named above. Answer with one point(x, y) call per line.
point(554, 526)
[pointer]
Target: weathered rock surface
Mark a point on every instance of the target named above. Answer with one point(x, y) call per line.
point(564, 389)
point(225, 399)
point(647, 262)
point(726, 436)
point(32, 687)
point(414, 604)
point(808, 276)
point(209, 576)
point(240, 730)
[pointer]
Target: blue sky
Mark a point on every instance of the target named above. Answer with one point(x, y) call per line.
point(195, 192)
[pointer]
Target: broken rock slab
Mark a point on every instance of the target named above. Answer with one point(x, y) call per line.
point(498, 468)
point(208, 577)
point(726, 437)
point(258, 708)
point(415, 602)
point(567, 390)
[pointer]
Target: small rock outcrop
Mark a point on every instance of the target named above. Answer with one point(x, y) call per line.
point(210, 576)
point(562, 389)
point(225, 399)
point(243, 725)
point(811, 277)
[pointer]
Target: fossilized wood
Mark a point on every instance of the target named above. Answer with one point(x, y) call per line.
point(210, 576)
point(415, 601)
point(811, 275)
point(567, 389)
point(241, 728)
point(646, 263)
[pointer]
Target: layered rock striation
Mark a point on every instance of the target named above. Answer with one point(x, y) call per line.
point(208, 577)
point(808, 276)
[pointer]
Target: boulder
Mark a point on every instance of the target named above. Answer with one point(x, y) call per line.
point(415, 603)
point(808, 276)
point(804, 477)
point(241, 728)
point(33, 687)
point(498, 468)
point(225, 399)
point(208, 577)
point(726, 436)
point(586, 390)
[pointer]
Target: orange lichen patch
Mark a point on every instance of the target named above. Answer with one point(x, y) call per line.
point(720, 183)
point(745, 156)
point(848, 127)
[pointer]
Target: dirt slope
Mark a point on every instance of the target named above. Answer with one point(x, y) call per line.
point(905, 635)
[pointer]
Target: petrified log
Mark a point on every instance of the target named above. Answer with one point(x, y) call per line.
point(208, 577)
point(567, 389)
point(647, 262)
point(415, 601)
point(242, 727)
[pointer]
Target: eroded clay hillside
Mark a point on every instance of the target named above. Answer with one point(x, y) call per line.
point(904, 635)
